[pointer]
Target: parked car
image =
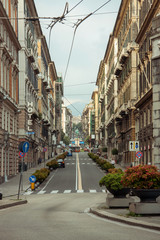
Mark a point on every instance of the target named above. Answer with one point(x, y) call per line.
point(69, 153)
point(86, 149)
point(61, 163)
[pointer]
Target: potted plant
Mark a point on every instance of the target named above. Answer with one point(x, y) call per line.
point(144, 181)
point(112, 181)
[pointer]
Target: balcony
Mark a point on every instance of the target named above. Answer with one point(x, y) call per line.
point(124, 54)
point(45, 81)
point(35, 68)
point(30, 54)
point(118, 69)
point(101, 98)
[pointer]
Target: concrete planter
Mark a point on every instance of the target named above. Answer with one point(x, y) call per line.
point(147, 195)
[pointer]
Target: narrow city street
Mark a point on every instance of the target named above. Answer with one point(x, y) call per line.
point(80, 175)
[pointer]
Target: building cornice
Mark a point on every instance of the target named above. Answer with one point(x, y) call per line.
point(148, 21)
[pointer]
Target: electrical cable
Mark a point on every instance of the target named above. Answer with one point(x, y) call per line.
point(79, 84)
point(59, 19)
point(77, 25)
point(73, 105)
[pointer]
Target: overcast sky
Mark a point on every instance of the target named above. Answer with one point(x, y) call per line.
point(89, 45)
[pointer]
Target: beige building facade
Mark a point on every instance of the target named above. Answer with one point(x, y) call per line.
point(9, 80)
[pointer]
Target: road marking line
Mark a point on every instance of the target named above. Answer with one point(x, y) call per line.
point(88, 163)
point(103, 190)
point(28, 193)
point(54, 191)
point(41, 192)
point(49, 180)
point(67, 191)
point(80, 191)
point(79, 174)
point(92, 191)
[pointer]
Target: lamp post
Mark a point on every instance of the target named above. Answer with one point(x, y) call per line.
point(6, 137)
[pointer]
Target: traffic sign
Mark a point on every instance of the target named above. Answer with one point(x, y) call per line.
point(25, 147)
point(21, 154)
point(32, 179)
point(133, 145)
point(139, 154)
point(44, 149)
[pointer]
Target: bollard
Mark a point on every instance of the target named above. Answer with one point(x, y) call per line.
point(32, 186)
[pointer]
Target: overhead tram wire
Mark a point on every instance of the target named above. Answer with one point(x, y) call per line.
point(60, 19)
point(73, 105)
point(79, 84)
point(77, 25)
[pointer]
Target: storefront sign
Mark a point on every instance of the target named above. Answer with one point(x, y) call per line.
point(30, 112)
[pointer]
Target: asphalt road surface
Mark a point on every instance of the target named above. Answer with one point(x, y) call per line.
point(80, 175)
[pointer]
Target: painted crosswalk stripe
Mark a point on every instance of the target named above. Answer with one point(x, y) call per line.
point(67, 191)
point(92, 191)
point(88, 163)
point(103, 190)
point(73, 163)
point(80, 191)
point(54, 191)
point(28, 193)
point(41, 192)
point(83, 163)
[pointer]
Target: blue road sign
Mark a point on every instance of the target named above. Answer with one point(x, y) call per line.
point(32, 179)
point(139, 154)
point(25, 147)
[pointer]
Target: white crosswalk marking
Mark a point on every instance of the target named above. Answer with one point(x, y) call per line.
point(80, 191)
point(28, 193)
point(92, 191)
point(54, 191)
point(67, 191)
point(41, 192)
point(88, 163)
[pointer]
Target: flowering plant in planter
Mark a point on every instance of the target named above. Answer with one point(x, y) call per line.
point(141, 177)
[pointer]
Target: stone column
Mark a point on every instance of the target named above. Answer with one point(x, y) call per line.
point(155, 38)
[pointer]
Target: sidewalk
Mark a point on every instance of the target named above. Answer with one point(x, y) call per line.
point(10, 188)
point(122, 215)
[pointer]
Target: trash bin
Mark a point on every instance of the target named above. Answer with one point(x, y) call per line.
point(0, 196)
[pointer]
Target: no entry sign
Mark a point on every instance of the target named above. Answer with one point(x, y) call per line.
point(139, 154)
point(21, 154)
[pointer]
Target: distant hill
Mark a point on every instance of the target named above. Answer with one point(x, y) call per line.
point(78, 106)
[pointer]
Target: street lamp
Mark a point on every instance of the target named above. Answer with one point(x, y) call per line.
point(6, 137)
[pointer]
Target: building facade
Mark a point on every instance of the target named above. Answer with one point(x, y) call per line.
point(9, 80)
point(67, 121)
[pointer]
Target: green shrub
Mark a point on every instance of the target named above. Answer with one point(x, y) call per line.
point(104, 149)
point(112, 181)
point(107, 166)
point(53, 164)
point(41, 174)
point(115, 170)
point(114, 151)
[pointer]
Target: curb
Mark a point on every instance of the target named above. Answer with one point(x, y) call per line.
point(12, 203)
point(122, 219)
